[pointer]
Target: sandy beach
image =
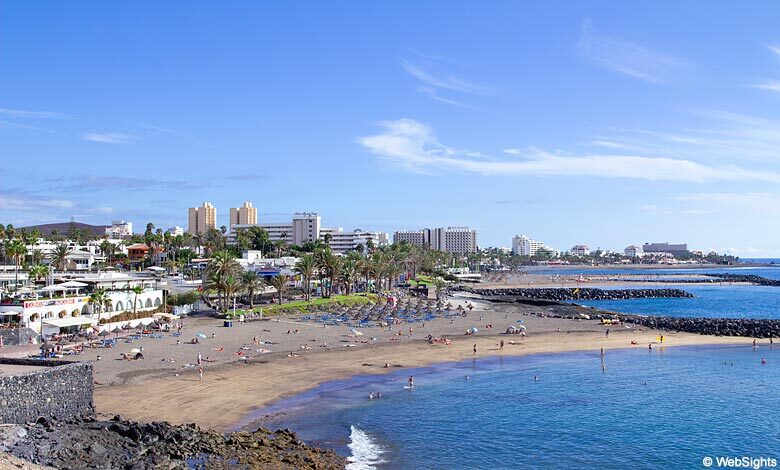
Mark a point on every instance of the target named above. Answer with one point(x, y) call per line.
point(232, 388)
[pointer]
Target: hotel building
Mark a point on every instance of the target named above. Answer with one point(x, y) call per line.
point(202, 219)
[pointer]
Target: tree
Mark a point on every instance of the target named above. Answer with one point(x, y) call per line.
point(279, 282)
point(251, 282)
point(108, 249)
point(16, 250)
point(222, 265)
point(60, 255)
point(329, 265)
point(99, 299)
point(136, 290)
point(38, 271)
point(230, 286)
point(306, 268)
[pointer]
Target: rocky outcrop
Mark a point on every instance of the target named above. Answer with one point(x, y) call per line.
point(749, 278)
point(120, 444)
point(585, 293)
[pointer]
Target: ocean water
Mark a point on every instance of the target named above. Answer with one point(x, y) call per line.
point(770, 272)
point(665, 408)
point(712, 301)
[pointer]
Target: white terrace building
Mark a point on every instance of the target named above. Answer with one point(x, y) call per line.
point(68, 305)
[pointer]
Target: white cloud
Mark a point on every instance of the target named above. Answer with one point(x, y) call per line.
point(110, 138)
point(628, 58)
point(432, 92)
point(772, 85)
point(20, 113)
point(448, 82)
point(415, 147)
point(11, 201)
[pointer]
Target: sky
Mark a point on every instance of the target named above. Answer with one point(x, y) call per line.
point(601, 123)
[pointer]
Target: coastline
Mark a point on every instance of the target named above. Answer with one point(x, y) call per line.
point(230, 394)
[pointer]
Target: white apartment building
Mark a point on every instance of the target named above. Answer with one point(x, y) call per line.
point(633, 251)
point(175, 231)
point(343, 242)
point(119, 229)
point(580, 250)
point(244, 215)
point(459, 240)
point(525, 246)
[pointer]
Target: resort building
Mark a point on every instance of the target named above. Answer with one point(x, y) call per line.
point(672, 249)
point(580, 250)
point(202, 219)
point(244, 215)
point(460, 240)
point(67, 305)
point(525, 246)
point(119, 229)
point(633, 251)
point(343, 242)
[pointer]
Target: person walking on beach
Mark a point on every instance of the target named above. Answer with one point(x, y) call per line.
point(754, 342)
point(200, 374)
point(200, 358)
point(662, 339)
point(475, 349)
point(607, 333)
point(501, 345)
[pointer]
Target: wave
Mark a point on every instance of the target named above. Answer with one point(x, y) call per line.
point(366, 453)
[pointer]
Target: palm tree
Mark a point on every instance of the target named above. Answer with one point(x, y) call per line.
point(231, 286)
point(136, 290)
point(349, 273)
point(329, 265)
point(16, 250)
point(306, 267)
point(222, 265)
point(251, 282)
point(280, 283)
point(99, 299)
point(60, 255)
point(38, 271)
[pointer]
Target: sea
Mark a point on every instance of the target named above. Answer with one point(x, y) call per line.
point(668, 407)
point(710, 300)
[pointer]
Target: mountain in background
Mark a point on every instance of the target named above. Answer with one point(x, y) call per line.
point(65, 228)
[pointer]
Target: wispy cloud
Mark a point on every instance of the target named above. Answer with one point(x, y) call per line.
point(628, 58)
point(91, 183)
point(109, 138)
point(428, 71)
point(771, 85)
point(20, 113)
point(414, 146)
point(10, 200)
point(247, 177)
point(722, 136)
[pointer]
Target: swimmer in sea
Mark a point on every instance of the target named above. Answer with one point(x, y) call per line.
point(411, 381)
point(536, 378)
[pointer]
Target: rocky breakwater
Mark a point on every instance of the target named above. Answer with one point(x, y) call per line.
point(120, 444)
point(747, 278)
point(585, 293)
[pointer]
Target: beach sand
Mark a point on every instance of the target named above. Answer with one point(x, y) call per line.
point(153, 390)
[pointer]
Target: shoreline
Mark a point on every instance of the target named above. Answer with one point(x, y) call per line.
point(230, 394)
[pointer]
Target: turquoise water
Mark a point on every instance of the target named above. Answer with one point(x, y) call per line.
point(713, 301)
point(665, 408)
point(768, 272)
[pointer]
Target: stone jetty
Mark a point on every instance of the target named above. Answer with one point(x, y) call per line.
point(585, 293)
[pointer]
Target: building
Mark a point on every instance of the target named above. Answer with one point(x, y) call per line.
point(673, 249)
point(633, 251)
point(460, 240)
point(175, 231)
point(343, 242)
point(244, 215)
point(202, 219)
point(525, 246)
point(119, 229)
point(137, 251)
point(580, 250)
point(305, 227)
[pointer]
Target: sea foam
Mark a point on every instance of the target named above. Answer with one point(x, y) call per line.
point(366, 453)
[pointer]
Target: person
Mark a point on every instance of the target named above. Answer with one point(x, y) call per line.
point(501, 344)
point(475, 349)
point(213, 335)
point(98, 358)
point(370, 395)
point(178, 341)
point(607, 333)
point(602, 352)
point(650, 346)
point(662, 339)
point(754, 342)
point(467, 377)
point(411, 381)
point(536, 378)
point(763, 361)
point(200, 358)
point(200, 374)
point(387, 365)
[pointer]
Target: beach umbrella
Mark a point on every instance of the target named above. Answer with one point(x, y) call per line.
point(135, 351)
point(127, 326)
point(473, 330)
point(62, 342)
point(201, 335)
point(104, 333)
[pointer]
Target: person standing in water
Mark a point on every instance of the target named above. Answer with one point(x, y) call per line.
point(411, 382)
point(475, 349)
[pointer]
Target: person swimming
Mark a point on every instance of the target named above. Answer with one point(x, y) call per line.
point(411, 382)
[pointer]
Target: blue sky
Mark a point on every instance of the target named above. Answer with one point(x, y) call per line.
point(605, 123)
